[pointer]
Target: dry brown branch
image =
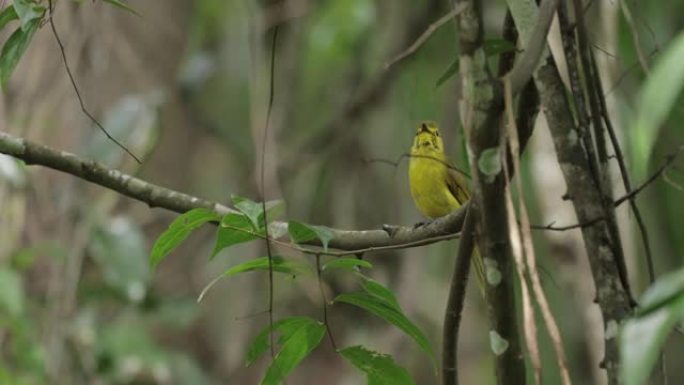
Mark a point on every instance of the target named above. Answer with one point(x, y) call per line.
point(529, 60)
point(527, 245)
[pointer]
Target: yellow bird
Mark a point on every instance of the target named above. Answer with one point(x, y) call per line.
point(436, 188)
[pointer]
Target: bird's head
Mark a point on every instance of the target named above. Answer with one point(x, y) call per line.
point(427, 138)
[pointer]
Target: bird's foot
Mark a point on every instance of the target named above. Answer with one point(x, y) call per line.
point(421, 224)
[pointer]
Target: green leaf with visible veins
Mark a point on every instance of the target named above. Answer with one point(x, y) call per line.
point(346, 264)
point(380, 368)
point(255, 210)
point(296, 343)
point(375, 288)
point(14, 48)
point(234, 229)
point(388, 310)
point(302, 232)
point(28, 11)
point(7, 15)
point(178, 230)
point(286, 327)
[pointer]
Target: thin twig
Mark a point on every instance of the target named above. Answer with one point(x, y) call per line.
point(529, 321)
point(623, 167)
point(629, 196)
point(625, 73)
point(407, 155)
point(263, 189)
point(668, 160)
point(326, 322)
point(604, 51)
point(426, 35)
point(551, 226)
point(454, 308)
point(602, 173)
point(78, 93)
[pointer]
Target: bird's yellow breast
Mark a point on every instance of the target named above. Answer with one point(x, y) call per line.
point(427, 178)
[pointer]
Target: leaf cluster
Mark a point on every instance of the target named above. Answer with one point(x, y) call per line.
point(297, 336)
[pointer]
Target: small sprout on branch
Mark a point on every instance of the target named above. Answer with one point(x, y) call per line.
point(489, 163)
point(498, 344)
point(492, 272)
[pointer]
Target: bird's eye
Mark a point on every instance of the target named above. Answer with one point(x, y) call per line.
point(436, 133)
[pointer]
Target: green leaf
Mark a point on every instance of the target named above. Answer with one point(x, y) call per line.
point(642, 339)
point(120, 4)
point(14, 48)
point(448, 73)
point(668, 287)
point(286, 327)
point(178, 230)
point(390, 313)
point(658, 95)
point(302, 232)
point(28, 11)
point(248, 207)
point(380, 368)
point(255, 211)
point(346, 264)
point(375, 288)
point(497, 46)
point(279, 264)
point(293, 351)
point(234, 229)
point(11, 292)
point(7, 15)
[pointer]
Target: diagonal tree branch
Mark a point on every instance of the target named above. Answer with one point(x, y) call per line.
point(457, 291)
point(534, 48)
point(587, 201)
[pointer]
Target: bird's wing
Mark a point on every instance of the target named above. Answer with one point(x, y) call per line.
point(458, 186)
